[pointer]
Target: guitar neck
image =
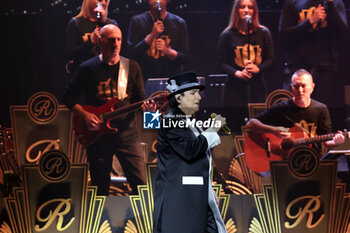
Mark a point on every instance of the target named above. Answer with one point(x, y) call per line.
point(127, 109)
point(321, 138)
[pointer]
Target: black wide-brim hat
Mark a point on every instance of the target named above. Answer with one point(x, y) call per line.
point(183, 82)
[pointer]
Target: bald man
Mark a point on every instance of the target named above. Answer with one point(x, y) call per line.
point(101, 79)
point(301, 109)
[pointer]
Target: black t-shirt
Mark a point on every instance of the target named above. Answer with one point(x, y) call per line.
point(233, 50)
point(315, 118)
point(152, 62)
point(312, 45)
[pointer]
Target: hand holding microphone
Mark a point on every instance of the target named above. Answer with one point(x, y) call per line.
point(223, 123)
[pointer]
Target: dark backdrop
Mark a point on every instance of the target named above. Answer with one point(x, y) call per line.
point(33, 51)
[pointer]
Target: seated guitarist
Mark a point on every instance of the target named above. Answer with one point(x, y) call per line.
point(301, 110)
point(101, 79)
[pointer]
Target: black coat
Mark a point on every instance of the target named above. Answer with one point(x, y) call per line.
point(181, 207)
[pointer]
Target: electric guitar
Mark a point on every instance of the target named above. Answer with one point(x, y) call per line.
point(106, 113)
point(260, 149)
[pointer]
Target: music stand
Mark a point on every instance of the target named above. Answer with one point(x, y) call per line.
point(342, 156)
point(343, 160)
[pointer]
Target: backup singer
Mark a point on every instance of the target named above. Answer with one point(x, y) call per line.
point(83, 30)
point(158, 41)
point(246, 52)
point(184, 200)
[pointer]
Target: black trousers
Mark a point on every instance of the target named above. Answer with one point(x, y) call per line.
point(237, 94)
point(100, 158)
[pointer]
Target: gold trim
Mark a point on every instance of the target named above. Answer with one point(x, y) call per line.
point(91, 202)
point(47, 177)
point(338, 205)
point(259, 200)
point(105, 227)
point(19, 197)
point(55, 108)
point(84, 196)
point(271, 212)
point(11, 208)
point(287, 95)
point(23, 108)
point(5, 228)
point(346, 222)
point(230, 226)
point(255, 226)
point(130, 227)
point(133, 200)
point(100, 201)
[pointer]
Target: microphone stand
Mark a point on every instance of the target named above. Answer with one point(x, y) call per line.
point(99, 24)
point(248, 41)
point(98, 14)
point(159, 11)
point(159, 15)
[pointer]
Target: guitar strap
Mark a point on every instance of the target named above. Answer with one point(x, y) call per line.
point(123, 77)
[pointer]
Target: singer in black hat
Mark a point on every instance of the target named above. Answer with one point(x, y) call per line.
point(246, 53)
point(183, 197)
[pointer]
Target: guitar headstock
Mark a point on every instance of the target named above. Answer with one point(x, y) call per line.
point(346, 133)
point(5, 140)
point(160, 95)
point(161, 100)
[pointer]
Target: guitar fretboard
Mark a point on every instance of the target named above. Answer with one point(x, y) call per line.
point(130, 108)
point(321, 138)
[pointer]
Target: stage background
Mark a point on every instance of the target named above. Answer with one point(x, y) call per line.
point(33, 42)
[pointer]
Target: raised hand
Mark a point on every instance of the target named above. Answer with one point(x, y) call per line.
point(318, 15)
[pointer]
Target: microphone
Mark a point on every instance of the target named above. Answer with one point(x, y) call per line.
point(98, 13)
point(248, 19)
point(159, 9)
point(223, 127)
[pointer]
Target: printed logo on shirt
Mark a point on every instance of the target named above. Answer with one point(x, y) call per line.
point(309, 127)
point(241, 58)
point(151, 120)
point(154, 52)
point(107, 90)
point(306, 14)
point(86, 37)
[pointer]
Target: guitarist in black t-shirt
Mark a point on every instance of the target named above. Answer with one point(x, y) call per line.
point(101, 79)
point(301, 107)
point(311, 116)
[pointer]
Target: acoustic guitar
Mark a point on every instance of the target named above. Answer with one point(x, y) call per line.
point(106, 113)
point(260, 149)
